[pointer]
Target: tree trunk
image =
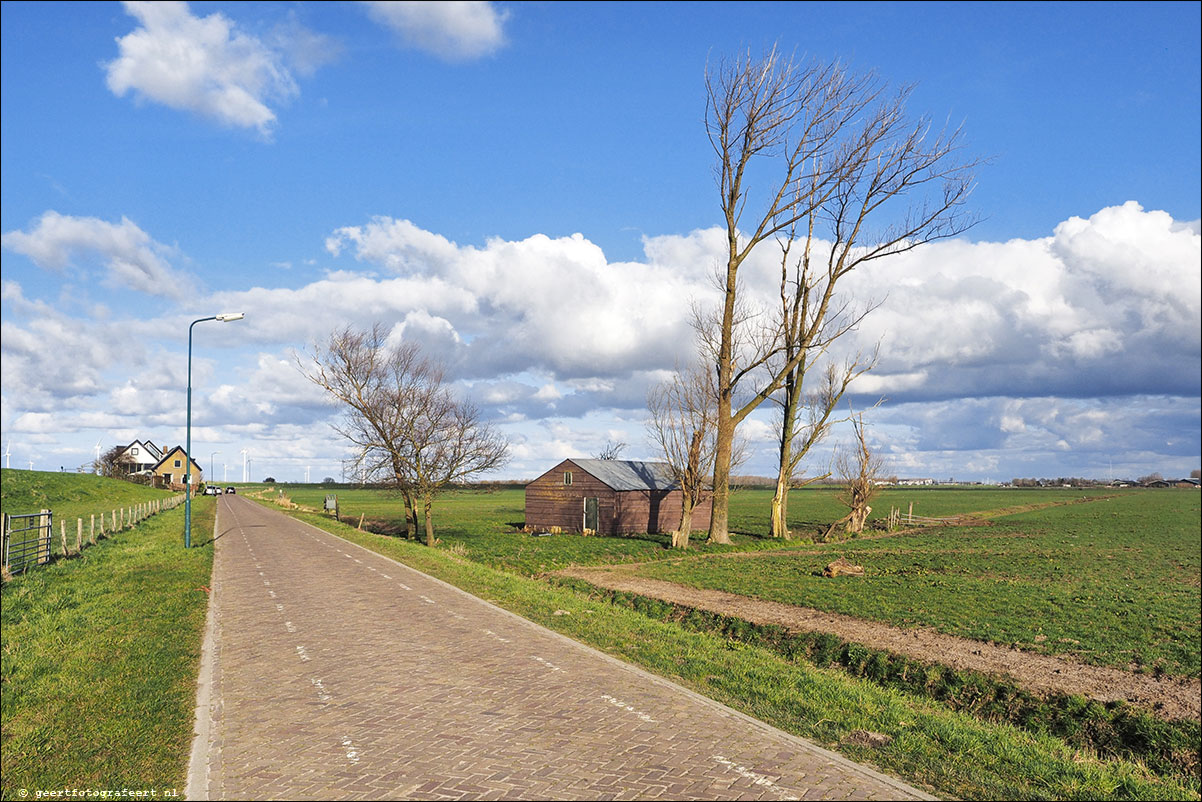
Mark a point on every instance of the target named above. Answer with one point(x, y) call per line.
point(428, 504)
point(411, 520)
point(680, 538)
point(719, 532)
point(780, 507)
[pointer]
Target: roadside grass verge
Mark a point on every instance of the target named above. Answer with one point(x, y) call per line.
point(1113, 583)
point(70, 496)
point(948, 751)
point(100, 654)
point(1115, 729)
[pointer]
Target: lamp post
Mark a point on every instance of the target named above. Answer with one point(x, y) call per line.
point(225, 318)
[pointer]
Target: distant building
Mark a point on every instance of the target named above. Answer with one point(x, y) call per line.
point(609, 497)
point(140, 456)
point(171, 470)
point(916, 482)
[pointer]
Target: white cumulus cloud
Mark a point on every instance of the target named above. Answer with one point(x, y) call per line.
point(200, 64)
point(130, 256)
point(454, 31)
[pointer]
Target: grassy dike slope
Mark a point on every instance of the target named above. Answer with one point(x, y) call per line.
point(950, 753)
point(100, 652)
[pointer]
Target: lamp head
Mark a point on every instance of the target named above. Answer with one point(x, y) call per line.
point(229, 317)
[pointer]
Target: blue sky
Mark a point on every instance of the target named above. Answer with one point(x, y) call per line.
point(527, 189)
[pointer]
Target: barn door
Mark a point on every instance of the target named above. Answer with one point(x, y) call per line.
point(590, 514)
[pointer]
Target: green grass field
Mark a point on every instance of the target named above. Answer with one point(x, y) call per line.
point(1112, 582)
point(100, 652)
point(70, 496)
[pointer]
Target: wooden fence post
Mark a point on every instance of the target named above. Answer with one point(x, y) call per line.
point(102, 524)
point(92, 531)
point(79, 535)
point(62, 528)
point(44, 524)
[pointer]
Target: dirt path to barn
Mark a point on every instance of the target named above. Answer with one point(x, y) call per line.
point(336, 673)
point(1170, 698)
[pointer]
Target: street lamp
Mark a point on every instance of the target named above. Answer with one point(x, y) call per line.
point(229, 317)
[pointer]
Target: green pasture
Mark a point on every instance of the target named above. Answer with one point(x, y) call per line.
point(1114, 581)
point(484, 523)
point(100, 651)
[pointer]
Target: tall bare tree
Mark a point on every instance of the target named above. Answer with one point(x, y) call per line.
point(407, 427)
point(797, 435)
point(835, 151)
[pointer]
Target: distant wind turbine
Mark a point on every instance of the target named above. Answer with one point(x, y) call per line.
point(8, 450)
point(96, 465)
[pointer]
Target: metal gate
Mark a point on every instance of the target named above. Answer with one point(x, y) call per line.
point(27, 540)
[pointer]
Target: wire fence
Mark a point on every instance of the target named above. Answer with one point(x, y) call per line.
point(29, 537)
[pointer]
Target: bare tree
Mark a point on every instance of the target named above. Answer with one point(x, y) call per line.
point(682, 427)
point(409, 430)
point(450, 443)
point(612, 450)
point(860, 469)
point(114, 463)
point(797, 436)
point(845, 154)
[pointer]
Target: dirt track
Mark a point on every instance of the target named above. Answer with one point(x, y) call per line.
point(1170, 698)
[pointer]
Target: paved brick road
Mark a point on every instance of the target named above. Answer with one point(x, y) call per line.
point(340, 674)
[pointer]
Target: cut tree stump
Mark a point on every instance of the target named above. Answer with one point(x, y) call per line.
point(842, 567)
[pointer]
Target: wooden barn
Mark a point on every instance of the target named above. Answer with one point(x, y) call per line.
point(609, 497)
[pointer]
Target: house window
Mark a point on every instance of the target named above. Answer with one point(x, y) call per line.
point(134, 451)
point(178, 463)
point(567, 477)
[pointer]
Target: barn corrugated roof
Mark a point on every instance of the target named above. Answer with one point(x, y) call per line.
point(630, 474)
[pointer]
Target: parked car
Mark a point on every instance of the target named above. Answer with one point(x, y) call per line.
point(212, 490)
point(231, 489)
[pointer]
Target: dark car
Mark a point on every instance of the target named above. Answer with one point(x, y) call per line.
point(231, 489)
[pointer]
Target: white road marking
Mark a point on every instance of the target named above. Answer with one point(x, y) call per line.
point(351, 753)
point(321, 690)
point(291, 627)
point(628, 708)
point(494, 635)
point(427, 599)
point(304, 656)
point(547, 663)
point(758, 779)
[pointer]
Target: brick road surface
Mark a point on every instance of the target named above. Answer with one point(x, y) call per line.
point(340, 674)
